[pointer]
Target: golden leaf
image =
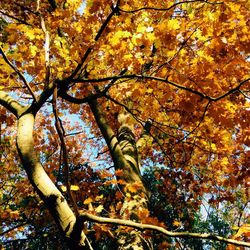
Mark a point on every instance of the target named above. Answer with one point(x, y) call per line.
point(99, 208)
point(88, 201)
point(74, 188)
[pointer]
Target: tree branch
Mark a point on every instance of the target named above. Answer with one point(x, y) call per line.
point(64, 151)
point(10, 103)
point(140, 226)
point(15, 18)
point(19, 73)
point(46, 52)
point(75, 100)
point(45, 95)
point(115, 9)
point(13, 228)
point(169, 8)
point(62, 92)
point(141, 77)
point(141, 122)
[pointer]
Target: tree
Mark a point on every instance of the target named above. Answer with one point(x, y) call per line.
point(94, 92)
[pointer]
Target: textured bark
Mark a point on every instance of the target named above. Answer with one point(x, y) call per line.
point(68, 224)
point(54, 200)
point(125, 156)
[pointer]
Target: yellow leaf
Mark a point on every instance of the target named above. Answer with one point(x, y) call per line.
point(173, 24)
point(200, 53)
point(74, 188)
point(224, 161)
point(98, 198)
point(244, 229)
point(118, 36)
point(199, 35)
point(149, 91)
point(99, 209)
point(88, 201)
point(211, 16)
point(30, 34)
point(33, 50)
point(213, 146)
point(169, 25)
point(141, 29)
point(171, 53)
point(127, 56)
point(176, 223)
point(132, 188)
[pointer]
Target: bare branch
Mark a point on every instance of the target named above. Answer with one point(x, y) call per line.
point(19, 73)
point(169, 8)
point(183, 44)
point(231, 90)
point(141, 226)
point(26, 8)
point(248, 97)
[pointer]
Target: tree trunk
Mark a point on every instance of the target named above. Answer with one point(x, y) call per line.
point(125, 157)
point(48, 192)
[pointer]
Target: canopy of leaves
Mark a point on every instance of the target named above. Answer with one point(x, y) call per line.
point(179, 68)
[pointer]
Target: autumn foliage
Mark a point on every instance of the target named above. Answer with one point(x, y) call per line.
point(141, 113)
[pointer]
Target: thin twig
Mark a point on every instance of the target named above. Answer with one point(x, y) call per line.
point(64, 151)
point(248, 97)
point(183, 44)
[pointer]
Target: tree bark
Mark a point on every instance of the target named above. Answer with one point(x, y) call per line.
point(48, 192)
point(69, 226)
point(125, 157)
